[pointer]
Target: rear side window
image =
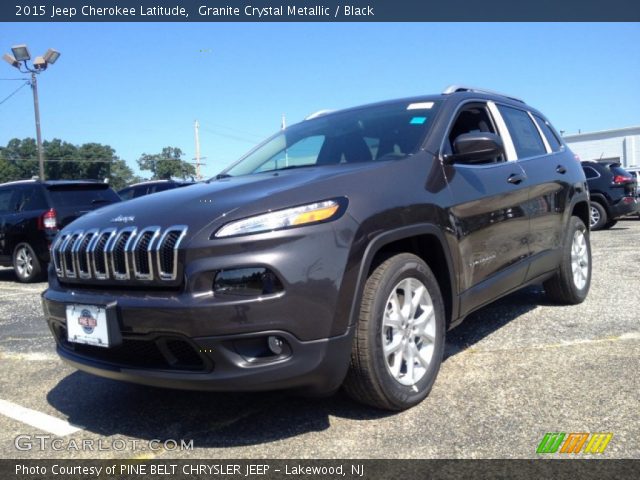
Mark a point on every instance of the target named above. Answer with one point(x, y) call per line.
point(524, 133)
point(548, 132)
point(161, 187)
point(82, 196)
point(31, 198)
point(5, 200)
point(590, 172)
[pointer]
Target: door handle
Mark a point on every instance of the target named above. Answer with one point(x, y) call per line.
point(561, 169)
point(515, 178)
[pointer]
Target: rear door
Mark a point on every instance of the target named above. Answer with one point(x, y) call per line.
point(551, 171)
point(7, 220)
point(75, 199)
point(489, 211)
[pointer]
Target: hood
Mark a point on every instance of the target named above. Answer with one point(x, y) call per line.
point(210, 204)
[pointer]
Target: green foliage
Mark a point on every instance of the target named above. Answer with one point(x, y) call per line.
point(63, 160)
point(166, 164)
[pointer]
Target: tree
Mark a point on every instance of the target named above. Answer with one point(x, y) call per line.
point(63, 160)
point(166, 164)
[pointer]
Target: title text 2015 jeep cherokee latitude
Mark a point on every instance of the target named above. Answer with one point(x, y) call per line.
point(338, 252)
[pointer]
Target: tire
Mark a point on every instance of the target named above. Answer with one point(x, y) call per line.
point(26, 264)
point(404, 377)
point(598, 217)
point(609, 224)
point(571, 283)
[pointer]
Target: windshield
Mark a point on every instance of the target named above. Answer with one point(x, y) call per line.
point(368, 134)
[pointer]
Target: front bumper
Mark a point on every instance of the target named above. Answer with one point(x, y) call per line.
point(236, 362)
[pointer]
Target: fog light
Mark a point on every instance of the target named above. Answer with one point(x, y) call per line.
point(247, 282)
point(275, 344)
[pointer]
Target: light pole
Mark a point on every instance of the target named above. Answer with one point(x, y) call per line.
point(19, 60)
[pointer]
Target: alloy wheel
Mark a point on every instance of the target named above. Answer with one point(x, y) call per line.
point(409, 331)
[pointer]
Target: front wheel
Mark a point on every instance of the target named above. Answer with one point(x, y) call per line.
point(399, 341)
point(570, 285)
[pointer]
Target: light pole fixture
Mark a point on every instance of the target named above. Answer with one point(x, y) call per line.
point(19, 60)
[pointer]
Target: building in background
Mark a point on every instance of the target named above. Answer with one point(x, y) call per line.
point(621, 145)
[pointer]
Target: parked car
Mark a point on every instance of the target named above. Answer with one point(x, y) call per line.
point(612, 191)
point(153, 186)
point(635, 173)
point(338, 252)
point(32, 212)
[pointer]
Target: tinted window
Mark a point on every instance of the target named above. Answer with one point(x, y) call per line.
point(590, 172)
point(31, 198)
point(84, 195)
point(360, 135)
point(301, 153)
point(5, 200)
point(524, 133)
point(126, 193)
point(161, 187)
point(548, 132)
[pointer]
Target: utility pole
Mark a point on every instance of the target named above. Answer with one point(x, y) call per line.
point(198, 159)
point(36, 108)
point(19, 60)
point(283, 122)
point(196, 127)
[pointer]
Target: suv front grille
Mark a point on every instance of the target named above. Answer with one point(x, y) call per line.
point(125, 254)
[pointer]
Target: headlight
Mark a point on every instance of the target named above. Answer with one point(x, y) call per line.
point(291, 217)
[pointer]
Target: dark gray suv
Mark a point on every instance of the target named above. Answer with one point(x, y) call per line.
point(337, 252)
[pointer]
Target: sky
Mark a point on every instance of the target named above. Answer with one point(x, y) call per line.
point(139, 87)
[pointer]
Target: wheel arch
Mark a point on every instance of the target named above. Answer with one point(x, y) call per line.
point(602, 200)
point(425, 241)
point(581, 210)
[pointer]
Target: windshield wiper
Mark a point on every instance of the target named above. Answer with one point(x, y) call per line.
point(291, 167)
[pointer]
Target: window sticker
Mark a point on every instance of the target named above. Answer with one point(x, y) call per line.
point(418, 120)
point(420, 106)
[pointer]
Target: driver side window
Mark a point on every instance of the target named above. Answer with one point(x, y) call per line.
point(472, 118)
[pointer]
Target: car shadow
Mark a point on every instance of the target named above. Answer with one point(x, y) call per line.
point(8, 275)
point(487, 320)
point(222, 420)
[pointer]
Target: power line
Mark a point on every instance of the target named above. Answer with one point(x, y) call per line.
point(9, 79)
point(232, 137)
point(14, 92)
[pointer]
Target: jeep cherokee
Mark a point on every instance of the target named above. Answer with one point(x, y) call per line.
point(337, 252)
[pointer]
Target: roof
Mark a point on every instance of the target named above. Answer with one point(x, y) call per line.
point(615, 132)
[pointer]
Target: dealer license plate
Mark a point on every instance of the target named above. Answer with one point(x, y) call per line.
point(87, 324)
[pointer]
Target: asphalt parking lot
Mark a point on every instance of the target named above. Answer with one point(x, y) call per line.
point(513, 371)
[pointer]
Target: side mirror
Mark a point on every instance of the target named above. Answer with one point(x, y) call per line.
point(475, 147)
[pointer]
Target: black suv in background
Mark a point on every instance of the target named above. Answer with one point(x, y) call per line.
point(153, 186)
point(612, 191)
point(338, 252)
point(32, 212)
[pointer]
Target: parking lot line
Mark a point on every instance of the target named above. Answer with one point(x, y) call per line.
point(37, 419)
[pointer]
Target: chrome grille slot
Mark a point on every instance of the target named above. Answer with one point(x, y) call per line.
point(81, 256)
point(98, 253)
point(118, 253)
point(167, 252)
point(56, 255)
point(68, 262)
point(142, 253)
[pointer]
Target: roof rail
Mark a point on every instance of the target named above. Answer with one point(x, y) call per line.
point(463, 88)
point(317, 114)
